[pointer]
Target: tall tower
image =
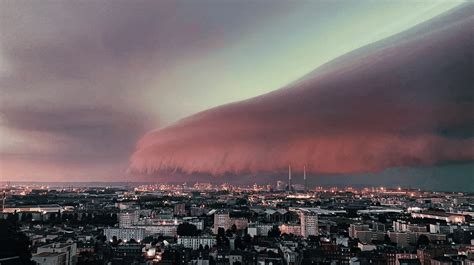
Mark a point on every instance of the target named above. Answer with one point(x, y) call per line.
point(289, 179)
point(3, 200)
point(304, 177)
point(309, 224)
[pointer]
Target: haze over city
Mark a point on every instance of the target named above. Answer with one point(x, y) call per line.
point(358, 92)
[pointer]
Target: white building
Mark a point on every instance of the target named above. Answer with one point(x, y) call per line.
point(125, 234)
point(50, 258)
point(366, 247)
point(166, 229)
point(195, 241)
point(256, 229)
point(309, 223)
point(69, 249)
point(46, 208)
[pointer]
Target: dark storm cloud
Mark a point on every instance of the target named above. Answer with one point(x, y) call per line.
point(96, 132)
point(396, 103)
point(71, 73)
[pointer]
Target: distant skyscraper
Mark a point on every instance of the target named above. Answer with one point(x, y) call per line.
point(309, 224)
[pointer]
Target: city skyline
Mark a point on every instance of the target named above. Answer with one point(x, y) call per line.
point(82, 83)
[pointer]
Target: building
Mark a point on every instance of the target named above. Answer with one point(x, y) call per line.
point(366, 247)
point(128, 219)
point(293, 229)
point(425, 255)
point(124, 234)
point(402, 239)
point(256, 229)
point(406, 259)
point(195, 242)
point(180, 209)
point(43, 208)
point(354, 228)
point(447, 217)
point(49, 258)
point(240, 223)
point(166, 229)
point(221, 220)
point(369, 236)
point(309, 223)
point(69, 249)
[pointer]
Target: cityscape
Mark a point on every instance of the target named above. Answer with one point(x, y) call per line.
point(204, 223)
point(236, 132)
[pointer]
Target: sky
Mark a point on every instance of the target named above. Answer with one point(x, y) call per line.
point(81, 82)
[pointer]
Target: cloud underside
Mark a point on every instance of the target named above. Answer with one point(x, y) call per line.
point(406, 101)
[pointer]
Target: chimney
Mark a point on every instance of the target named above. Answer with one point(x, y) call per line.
point(289, 178)
point(304, 177)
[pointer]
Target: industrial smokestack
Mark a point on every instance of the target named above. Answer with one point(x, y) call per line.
point(304, 177)
point(289, 178)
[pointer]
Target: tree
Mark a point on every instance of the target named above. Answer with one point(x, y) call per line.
point(221, 232)
point(187, 229)
point(247, 239)
point(274, 232)
point(423, 240)
point(14, 243)
point(238, 243)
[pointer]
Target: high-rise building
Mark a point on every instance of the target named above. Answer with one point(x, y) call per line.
point(221, 220)
point(309, 223)
point(180, 209)
point(127, 219)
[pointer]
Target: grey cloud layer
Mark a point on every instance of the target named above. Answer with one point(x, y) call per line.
point(71, 73)
point(406, 101)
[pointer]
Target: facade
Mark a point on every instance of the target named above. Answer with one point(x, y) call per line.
point(125, 234)
point(127, 219)
point(180, 209)
point(69, 249)
point(167, 229)
point(221, 220)
point(240, 223)
point(195, 242)
point(49, 208)
point(290, 229)
point(309, 224)
point(402, 239)
point(354, 228)
point(447, 217)
point(50, 258)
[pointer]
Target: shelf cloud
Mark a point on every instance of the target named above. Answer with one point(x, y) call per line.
point(404, 101)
